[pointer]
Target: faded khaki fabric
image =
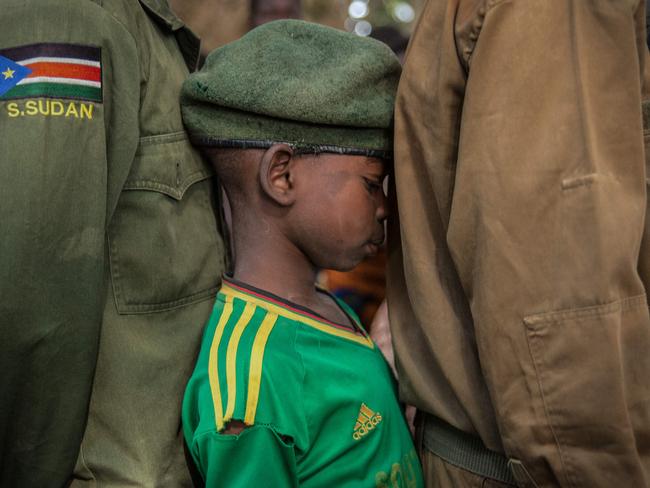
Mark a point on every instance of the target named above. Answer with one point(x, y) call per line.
point(516, 294)
point(110, 255)
point(441, 475)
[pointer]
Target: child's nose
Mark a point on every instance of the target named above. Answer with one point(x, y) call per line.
point(382, 207)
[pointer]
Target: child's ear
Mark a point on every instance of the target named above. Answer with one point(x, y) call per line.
point(276, 174)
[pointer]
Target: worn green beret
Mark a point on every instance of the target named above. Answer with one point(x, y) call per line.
point(316, 88)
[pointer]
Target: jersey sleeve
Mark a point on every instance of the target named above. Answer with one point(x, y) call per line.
point(248, 371)
point(69, 123)
point(227, 460)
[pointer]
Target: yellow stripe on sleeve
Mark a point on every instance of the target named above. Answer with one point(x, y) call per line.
point(257, 358)
point(213, 370)
point(231, 358)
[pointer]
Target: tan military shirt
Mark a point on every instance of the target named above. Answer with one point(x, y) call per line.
point(517, 274)
point(110, 252)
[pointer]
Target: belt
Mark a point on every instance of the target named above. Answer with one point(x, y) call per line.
point(464, 450)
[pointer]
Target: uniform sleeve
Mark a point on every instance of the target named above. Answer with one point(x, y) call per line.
point(67, 141)
point(256, 457)
point(521, 183)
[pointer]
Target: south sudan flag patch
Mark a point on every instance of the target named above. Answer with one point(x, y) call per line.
point(69, 71)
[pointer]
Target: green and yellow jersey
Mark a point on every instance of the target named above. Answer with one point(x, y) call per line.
point(318, 397)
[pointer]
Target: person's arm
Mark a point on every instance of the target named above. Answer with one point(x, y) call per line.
point(65, 151)
point(550, 197)
point(380, 333)
point(257, 456)
point(527, 137)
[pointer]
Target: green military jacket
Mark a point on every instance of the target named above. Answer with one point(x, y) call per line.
point(110, 253)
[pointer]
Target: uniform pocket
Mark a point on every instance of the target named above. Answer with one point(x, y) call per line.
point(592, 366)
point(164, 244)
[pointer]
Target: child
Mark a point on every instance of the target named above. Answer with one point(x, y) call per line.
point(289, 390)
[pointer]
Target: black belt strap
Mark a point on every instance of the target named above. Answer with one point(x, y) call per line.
point(464, 450)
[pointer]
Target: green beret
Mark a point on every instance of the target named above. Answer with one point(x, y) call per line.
point(316, 88)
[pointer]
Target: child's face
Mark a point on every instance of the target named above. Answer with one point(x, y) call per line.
point(340, 209)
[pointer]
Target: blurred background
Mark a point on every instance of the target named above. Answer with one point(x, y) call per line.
point(218, 22)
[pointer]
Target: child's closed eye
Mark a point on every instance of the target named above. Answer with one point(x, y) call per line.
point(372, 186)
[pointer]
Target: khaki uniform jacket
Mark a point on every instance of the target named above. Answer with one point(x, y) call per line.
point(110, 253)
point(519, 266)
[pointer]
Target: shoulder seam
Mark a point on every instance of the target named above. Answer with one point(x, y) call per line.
point(110, 14)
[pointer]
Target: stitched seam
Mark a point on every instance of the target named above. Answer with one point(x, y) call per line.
point(533, 335)
point(494, 3)
point(580, 96)
point(85, 466)
point(158, 185)
point(586, 312)
point(166, 306)
point(166, 138)
point(114, 267)
point(547, 410)
point(110, 14)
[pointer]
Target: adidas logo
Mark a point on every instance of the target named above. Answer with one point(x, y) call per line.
point(366, 421)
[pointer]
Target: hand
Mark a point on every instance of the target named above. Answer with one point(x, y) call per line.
point(380, 333)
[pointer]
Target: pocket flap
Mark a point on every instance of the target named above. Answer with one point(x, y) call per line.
point(167, 164)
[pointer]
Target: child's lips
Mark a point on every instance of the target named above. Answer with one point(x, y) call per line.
point(378, 241)
point(374, 244)
point(372, 248)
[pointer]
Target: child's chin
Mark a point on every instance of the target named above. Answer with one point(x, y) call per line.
point(344, 269)
point(345, 259)
point(348, 265)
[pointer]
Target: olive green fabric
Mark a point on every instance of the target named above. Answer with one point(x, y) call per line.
point(109, 259)
point(445, 474)
point(312, 86)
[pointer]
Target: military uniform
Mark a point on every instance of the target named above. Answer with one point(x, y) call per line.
point(111, 252)
point(517, 276)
